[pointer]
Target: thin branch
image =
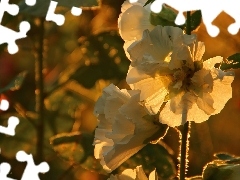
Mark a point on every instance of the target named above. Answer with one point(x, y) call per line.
point(39, 92)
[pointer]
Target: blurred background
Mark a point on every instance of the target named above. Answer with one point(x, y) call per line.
point(79, 59)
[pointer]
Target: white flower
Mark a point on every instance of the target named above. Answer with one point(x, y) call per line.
point(200, 93)
point(122, 130)
point(133, 20)
point(152, 62)
point(134, 174)
point(167, 66)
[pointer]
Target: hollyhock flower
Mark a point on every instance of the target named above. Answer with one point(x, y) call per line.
point(134, 174)
point(124, 127)
point(152, 63)
point(197, 93)
point(168, 67)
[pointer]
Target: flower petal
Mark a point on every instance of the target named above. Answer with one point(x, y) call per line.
point(222, 92)
point(153, 92)
point(133, 22)
point(122, 130)
point(205, 103)
point(151, 45)
point(195, 114)
point(209, 64)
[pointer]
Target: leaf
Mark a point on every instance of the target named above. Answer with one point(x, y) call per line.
point(196, 19)
point(224, 156)
point(233, 62)
point(152, 156)
point(148, 2)
point(225, 167)
point(16, 83)
point(41, 6)
point(73, 147)
point(106, 58)
point(76, 148)
point(165, 18)
point(217, 172)
point(23, 140)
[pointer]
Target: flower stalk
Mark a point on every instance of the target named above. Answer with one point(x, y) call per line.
point(185, 132)
point(39, 91)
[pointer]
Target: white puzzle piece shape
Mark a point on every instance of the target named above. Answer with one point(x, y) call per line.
point(12, 123)
point(4, 171)
point(31, 169)
point(7, 35)
point(210, 10)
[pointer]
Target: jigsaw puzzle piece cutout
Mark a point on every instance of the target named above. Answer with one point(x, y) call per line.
point(31, 169)
point(210, 10)
point(4, 171)
point(51, 16)
point(12, 9)
point(9, 36)
point(76, 11)
point(30, 2)
point(12, 123)
point(231, 7)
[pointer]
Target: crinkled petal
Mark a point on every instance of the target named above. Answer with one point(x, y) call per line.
point(134, 75)
point(209, 64)
point(182, 102)
point(140, 173)
point(202, 77)
point(195, 114)
point(133, 22)
point(152, 46)
point(205, 103)
point(198, 51)
point(124, 131)
point(222, 92)
point(153, 175)
point(177, 36)
point(153, 92)
point(132, 174)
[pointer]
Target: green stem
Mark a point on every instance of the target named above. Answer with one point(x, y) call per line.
point(185, 132)
point(184, 149)
point(188, 27)
point(39, 91)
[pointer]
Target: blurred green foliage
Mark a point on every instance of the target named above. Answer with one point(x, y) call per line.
point(80, 59)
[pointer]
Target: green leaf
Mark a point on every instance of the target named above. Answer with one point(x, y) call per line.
point(165, 18)
point(196, 19)
point(152, 156)
point(73, 147)
point(16, 83)
point(224, 156)
point(225, 167)
point(148, 2)
point(76, 148)
point(106, 57)
point(233, 62)
point(41, 6)
point(23, 140)
point(214, 171)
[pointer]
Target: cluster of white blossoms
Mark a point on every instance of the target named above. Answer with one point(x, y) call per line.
point(123, 126)
point(169, 79)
